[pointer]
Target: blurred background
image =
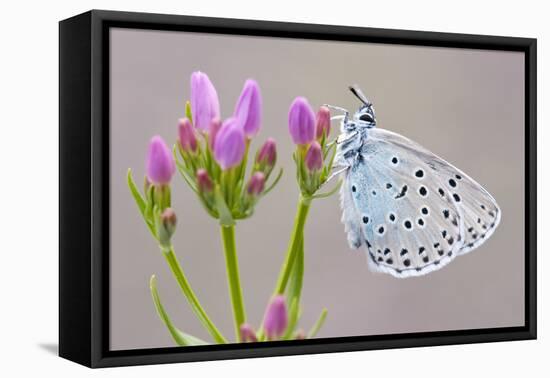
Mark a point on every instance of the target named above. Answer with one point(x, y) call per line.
point(464, 105)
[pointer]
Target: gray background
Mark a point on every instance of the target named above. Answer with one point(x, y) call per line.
point(464, 105)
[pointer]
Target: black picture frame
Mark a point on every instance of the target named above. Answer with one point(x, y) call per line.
point(84, 187)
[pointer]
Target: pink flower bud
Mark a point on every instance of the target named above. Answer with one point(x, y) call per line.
point(205, 105)
point(247, 333)
point(160, 165)
point(249, 108)
point(276, 318)
point(267, 154)
point(300, 334)
point(256, 184)
point(314, 157)
point(230, 145)
point(187, 137)
point(301, 121)
point(167, 226)
point(204, 183)
point(323, 122)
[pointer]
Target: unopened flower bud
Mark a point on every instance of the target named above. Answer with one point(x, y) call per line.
point(229, 147)
point(267, 154)
point(204, 183)
point(276, 318)
point(256, 184)
point(160, 165)
point(323, 122)
point(300, 334)
point(301, 121)
point(247, 333)
point(187, 137)
point(166, 227)
point(314, 157)
point(249, 108)
point(205, 105)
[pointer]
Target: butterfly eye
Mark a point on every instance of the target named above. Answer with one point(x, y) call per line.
point(366, 117)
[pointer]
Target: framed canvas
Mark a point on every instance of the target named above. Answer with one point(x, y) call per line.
point(228, 190)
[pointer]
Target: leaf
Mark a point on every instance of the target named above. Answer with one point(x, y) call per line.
point(188, 112)
point(187, 177)
point(292, 318)
point(181, 338)
point(329, 193)
point(318, 324)
point(226, 219)
point(140, 202)
point(277, 178)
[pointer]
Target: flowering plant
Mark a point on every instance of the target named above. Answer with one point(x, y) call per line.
point(212, 156)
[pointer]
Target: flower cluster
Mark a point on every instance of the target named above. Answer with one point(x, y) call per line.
point(213, 154)
point(313, 155)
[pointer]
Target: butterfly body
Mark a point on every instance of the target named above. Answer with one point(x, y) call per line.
point(412, 211)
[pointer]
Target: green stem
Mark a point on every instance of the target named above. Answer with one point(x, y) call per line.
point(232, 267)
point(294, 245)
point(178, 273)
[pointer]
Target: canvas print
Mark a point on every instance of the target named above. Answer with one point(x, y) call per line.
point(258, 196)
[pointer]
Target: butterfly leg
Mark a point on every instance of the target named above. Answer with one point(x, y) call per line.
point(343, 138)
point(337, 108)
point(336, 172)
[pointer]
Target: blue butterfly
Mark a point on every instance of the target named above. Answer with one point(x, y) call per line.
point(412, 211)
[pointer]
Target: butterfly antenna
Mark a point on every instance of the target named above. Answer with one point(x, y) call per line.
point(359, 94)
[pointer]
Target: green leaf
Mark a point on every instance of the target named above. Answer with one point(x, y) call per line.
point(188, 112)
point(329, 193)
point(292, 318)
point(181, 338)
point(318, 324)
point(226, 219)
point(277, 178)
point(187, 177)
point(140, 202)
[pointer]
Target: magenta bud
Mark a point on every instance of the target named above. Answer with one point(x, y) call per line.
point(323, 122)
point(276, 318)
point(249, 108)
point(314, 157)
point(205, 105)
point(215, 126)
point(247, 333)
point(168, 218)
point(256, 184)
point(167, 226)
point(301, 121)
point(160, 165)
point(267, 154)
point(187, 137)
point(300, 334)
point(229, 147)
point(204, 183)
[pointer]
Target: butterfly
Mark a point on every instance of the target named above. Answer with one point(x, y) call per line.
point(411, 210)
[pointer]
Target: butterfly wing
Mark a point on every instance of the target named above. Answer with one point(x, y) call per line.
point(412, 210)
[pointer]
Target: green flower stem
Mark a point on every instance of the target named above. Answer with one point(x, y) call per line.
point(294, 261)
point(232, 267)
point(178, 273)
point(295, 244)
